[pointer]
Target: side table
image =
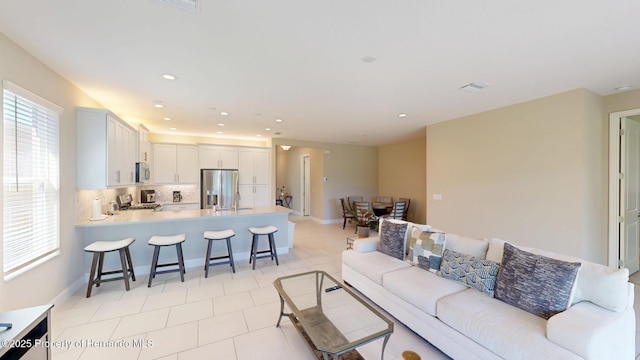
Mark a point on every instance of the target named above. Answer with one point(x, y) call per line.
point(350, 240)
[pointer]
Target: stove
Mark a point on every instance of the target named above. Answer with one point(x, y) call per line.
point(125, 203)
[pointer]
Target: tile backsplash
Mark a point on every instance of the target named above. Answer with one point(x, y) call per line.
point(164, 194)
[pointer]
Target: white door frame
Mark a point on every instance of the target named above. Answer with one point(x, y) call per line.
point(304, 180)
point(615, 235)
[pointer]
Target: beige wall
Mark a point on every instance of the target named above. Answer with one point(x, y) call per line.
point(45, 282)
point(402, 173)
point(532, 173)
point(349, 169)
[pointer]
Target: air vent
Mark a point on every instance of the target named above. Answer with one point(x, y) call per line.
point(474, 86)
point(191, 5)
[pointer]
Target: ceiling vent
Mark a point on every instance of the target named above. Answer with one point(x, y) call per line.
point(474, 86)
point(191, 5)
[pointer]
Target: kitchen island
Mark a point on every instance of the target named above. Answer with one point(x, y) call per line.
point(142, 224)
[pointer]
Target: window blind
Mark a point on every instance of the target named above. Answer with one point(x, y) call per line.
point(31, 178)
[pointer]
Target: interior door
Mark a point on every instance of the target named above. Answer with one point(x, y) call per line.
point(630, 198)
point(307, 185)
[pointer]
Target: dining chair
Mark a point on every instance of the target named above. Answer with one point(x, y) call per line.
point(384, 199)
point(345, 213)
point(406, 207)
point(351, 201)
point(397, 211)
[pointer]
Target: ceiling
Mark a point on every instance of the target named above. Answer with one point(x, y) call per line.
point(333, 70)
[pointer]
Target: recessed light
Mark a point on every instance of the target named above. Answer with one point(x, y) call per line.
point(622, 88)
point(168, 77)
point(258, 135)
point(474, 86)
point(368, 59)
point(401, 115)
point(224, 113)
point(279, 120)
point(267, 129)
point(172, 128)
point(220, 124)
point(168, 119)
point(219, 132)
point(158, 105)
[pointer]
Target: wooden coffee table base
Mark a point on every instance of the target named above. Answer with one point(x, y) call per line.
point(349, 355)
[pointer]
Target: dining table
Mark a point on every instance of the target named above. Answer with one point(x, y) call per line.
point(381, 208)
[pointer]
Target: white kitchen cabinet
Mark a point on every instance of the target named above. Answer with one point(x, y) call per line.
point(254, 166)
point(254, 177)
point(180, 206)
point(144, 145)
point(253, 196)
point(175, 164)
point(218, 157)
point(106, 150)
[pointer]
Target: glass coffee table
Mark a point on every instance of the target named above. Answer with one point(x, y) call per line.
point(330, 316)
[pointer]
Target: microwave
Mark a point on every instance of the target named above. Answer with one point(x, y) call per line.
point(143, 173)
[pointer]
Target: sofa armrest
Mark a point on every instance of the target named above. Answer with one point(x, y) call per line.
point(593, 332)
point(365, 244)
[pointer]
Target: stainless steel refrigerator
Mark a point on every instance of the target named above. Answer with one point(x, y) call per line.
point(218, 188)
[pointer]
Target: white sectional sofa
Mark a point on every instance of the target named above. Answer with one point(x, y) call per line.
point(465, 323)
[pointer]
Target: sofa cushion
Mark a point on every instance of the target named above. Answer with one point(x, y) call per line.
point(372, 264)
point(392, 236)
point(509, 332)
point(534, 283)
point(413, 234)
point(466, 245)
point(427, 250)
point(599, 284)
point(476, 273)
point(420, 288)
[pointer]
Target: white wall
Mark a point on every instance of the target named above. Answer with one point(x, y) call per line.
point(47, 281)
point(533, 174)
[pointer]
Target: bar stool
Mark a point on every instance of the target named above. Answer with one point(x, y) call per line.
point(257, 231)
point(99, 248)
point(218, 235)
point(159, 241)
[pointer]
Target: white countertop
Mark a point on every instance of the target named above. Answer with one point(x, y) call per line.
point(145, 216)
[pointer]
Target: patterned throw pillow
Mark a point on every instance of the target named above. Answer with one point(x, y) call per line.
point(535, 283)
point(414, 235)
point(427, 250)
point(392, 239)
point(477, 273)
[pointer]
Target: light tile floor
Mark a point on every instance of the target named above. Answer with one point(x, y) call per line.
point(224, 316)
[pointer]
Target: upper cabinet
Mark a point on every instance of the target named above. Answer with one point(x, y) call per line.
point(218, 157)
point(106, 147)
point(144, 145)
point(175, 164)
point(253, 166)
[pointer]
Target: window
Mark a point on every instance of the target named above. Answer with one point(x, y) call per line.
point(31, 179)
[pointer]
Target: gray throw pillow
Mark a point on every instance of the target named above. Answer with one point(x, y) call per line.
point(535, 283)
point(392, 239)
point(479, 274)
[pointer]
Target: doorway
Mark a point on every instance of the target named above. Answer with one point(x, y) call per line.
point(305, 184)
point(624, 190)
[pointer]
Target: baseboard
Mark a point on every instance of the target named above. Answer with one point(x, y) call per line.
point(69, 291)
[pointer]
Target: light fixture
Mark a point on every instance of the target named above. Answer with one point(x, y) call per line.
point(168, 77)
point(168, 119)
point(159, 105)
point(278, 120)
point(622, 88)
point(172, 128)
point(267, 129)
point(401, 115)
point(368, 59)
point(219, 132)
point(285, 147)
point(474, 86)
point(224, 113)
point(220, 124)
